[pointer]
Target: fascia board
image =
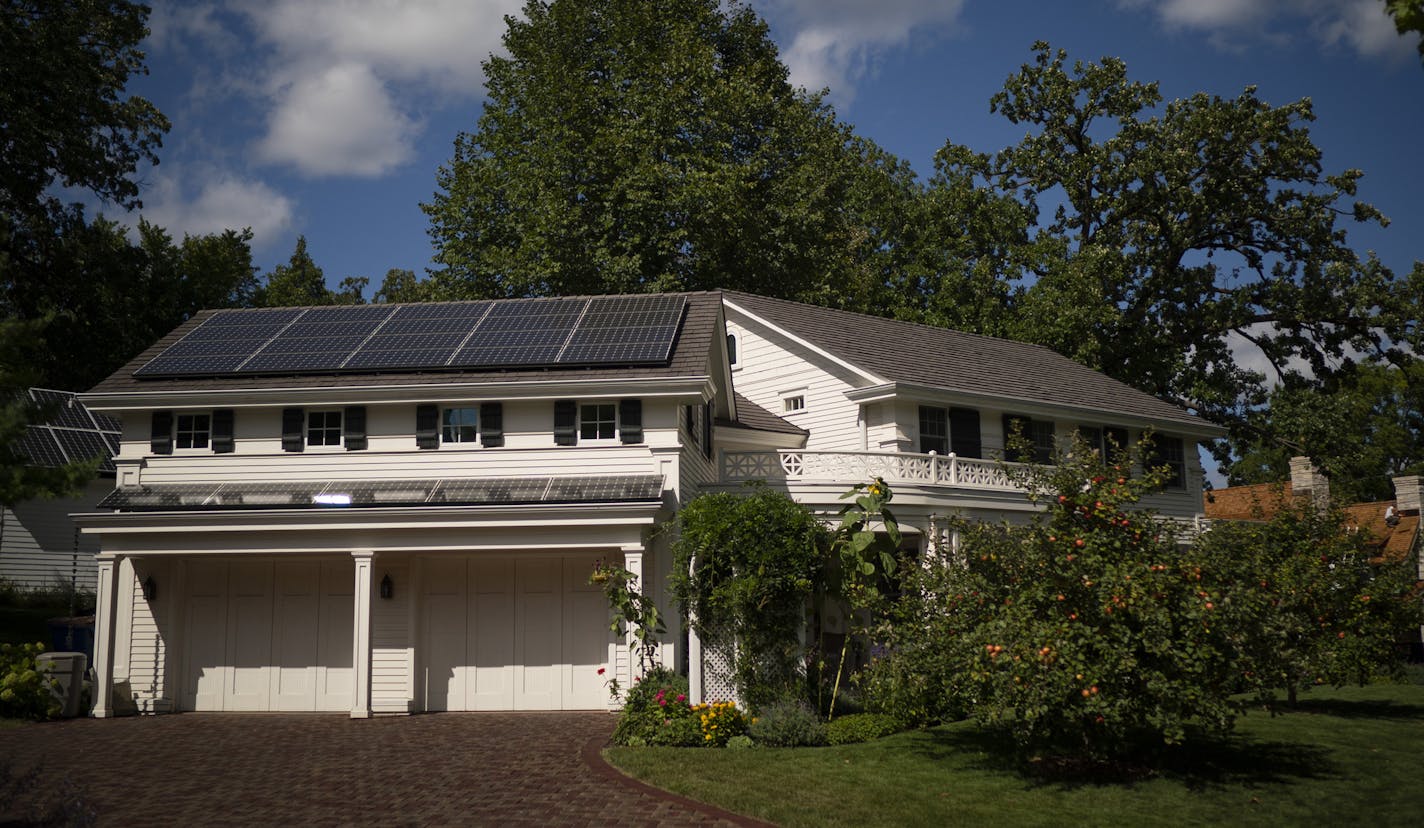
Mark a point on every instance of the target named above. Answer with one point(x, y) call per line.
point(824, 354)
point(699, 387)
point(1025, 405)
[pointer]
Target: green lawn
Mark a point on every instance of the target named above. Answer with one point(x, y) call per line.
point(1346, 755)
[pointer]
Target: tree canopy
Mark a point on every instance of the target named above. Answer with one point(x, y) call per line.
point(629, 146)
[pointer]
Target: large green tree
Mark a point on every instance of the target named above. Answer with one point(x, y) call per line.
point(302, 282)
point(630, 145)
point(1161, 242)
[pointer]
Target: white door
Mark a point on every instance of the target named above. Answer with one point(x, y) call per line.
point(513, 634)
point(268, 635)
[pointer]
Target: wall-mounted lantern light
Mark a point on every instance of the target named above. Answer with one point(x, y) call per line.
point(387, 589)
point(150, 589)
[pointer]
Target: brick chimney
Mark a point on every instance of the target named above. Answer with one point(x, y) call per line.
point(1308, 482)
point(1408, 492)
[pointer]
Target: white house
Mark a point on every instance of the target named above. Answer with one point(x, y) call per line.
point(40, 547)
point(395, 508)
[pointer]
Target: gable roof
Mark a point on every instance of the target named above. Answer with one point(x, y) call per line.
point(916, 354)
point(690, 357)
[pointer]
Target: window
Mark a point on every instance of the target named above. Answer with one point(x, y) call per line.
point(731, 349)
point(796, 402)
point(193, 431)
point(598, 421)
point(460, 425)
point(323, 428)
point(1107, 441)
point(1039, 433)
point(934, 430)
point(1169, 452)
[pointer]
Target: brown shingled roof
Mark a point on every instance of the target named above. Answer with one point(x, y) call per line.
point(751, 415)
point(956, 361)
point(1261, 501)
point(1256, 502)
point(689, 359)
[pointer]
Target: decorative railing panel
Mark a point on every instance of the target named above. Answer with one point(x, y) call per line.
point(850, 467)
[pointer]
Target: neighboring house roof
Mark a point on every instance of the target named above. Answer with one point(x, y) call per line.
point(689, 358)
point(1262, 501)
point(72, 433)
point(912, 353)
point(750, 415)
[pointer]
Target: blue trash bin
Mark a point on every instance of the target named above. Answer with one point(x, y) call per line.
point(73, 635)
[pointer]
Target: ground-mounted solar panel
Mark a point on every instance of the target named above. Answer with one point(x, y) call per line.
point(625, 330)
point(321, 339)
point(419, 336)
point(63, 409)
point(81, 445)
point(521, 333)
point(221, 343)
point(41, 448)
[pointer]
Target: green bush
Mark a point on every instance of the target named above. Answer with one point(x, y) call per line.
point(25, 692)
point(742, 742)
point(860, 727)
point(656, 712)
point(787, 723)
point(659, 685)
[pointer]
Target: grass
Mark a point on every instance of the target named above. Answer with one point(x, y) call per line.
point(1343, 756)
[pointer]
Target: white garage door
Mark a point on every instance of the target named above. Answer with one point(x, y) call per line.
point(513, 634)
point(268, 635)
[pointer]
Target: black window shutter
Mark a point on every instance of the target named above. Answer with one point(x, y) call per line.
point(630, 420)
point(491, 424)
point(293, 424)
point(427, 426)
point(353, 425)
point(707, 430)
point(161, 441)
point(222, 431)
point(964, 433)
point(565, 422)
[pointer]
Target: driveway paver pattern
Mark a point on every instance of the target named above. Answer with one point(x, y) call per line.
point(322, 769)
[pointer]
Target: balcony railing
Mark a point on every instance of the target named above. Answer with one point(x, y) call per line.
point(850, 467)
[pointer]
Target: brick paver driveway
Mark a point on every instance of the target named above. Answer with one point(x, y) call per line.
point(304, 769)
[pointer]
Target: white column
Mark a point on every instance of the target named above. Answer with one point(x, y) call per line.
point(361, 637)
point(633, 562)
point(104, 636)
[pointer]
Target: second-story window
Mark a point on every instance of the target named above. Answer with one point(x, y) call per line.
point(323, 428)
point(1039, 433)
point(934, 430)
point(793, 403)
point(192, 431)
point(460, 425)
point(598, 421)
point(1170, 452)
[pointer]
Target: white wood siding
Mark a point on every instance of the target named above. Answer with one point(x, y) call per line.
point(40, 549)
point(767, 371)
point(392, 641)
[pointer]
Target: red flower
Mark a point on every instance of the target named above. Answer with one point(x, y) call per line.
point(601, 671)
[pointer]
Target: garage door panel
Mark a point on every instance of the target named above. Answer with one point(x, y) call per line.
point(205, 638)
point(249, 636)
point(491, 634)
point(335, 677)
point(538, 630)
point(586, 637)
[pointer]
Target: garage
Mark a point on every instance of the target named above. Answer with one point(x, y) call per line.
point(268, 635)
point(513, 633)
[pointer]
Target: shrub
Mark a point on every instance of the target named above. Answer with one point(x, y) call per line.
point(1083, 632)
point(742, 742)
point(655, 689)
point(860, 727)
point(720, 721)
point(25, 692)
point(656, 712)
point(787, 723)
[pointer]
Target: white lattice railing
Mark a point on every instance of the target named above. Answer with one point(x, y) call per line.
point(850, 467)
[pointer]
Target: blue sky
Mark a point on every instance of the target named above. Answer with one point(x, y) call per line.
point(329, 118)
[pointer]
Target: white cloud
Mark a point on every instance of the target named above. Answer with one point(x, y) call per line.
point(835, 43)
point(339, 120)
point(1362, 25)
point(222, 201)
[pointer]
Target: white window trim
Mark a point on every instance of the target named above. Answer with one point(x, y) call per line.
point(470, 445)
point(308, 445)
point(207, 449)
point(787, 398)
point(598, 441)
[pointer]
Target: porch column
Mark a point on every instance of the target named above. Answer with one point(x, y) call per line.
point(104, 607)
point(633, 562)
point(361, 637)
point(694, 653)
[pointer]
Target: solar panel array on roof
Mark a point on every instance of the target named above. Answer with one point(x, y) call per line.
point(72, 433)
point(602, 330)
point(626, 488)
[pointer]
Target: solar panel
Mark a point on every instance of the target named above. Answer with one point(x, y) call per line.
point(321, 339)
point(385, 493)
point(528, 332)
point(81, 445)
point(64, 409)
point(221, 343)
point(72, 433)
point(419, 336)
point(625, 329)
point(40, 446)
